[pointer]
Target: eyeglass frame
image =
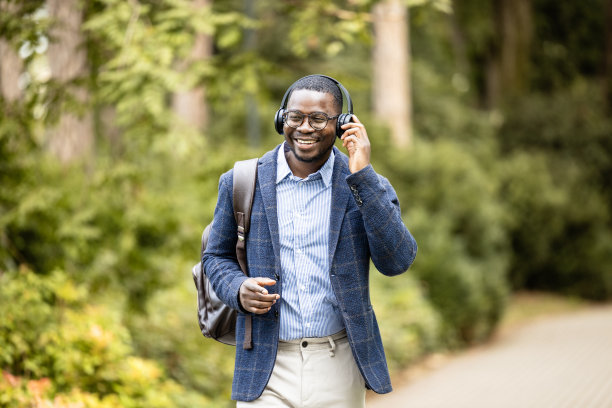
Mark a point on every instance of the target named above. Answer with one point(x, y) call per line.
point(304, 115)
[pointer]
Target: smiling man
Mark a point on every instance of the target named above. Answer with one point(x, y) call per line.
point(318, 218)
point(310, 142)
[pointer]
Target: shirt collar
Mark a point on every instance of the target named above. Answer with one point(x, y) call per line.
point(283, 170)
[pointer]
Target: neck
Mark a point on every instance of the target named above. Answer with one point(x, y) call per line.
point(299, 168)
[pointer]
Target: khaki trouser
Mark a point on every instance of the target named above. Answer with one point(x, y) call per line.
point(313, 373)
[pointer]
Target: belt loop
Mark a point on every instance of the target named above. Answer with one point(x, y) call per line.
point(332, 345)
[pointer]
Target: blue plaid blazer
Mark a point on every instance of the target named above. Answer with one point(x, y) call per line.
point(365, 224)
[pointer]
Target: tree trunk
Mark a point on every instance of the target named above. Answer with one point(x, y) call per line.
point(458, 41)
point(391, 59)
point(608, 57)
point(508, 71)
point(73, 136)
point(11, 66)
point(190, 105)
point(250, 102)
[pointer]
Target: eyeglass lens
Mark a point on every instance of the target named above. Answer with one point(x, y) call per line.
point(316, 120)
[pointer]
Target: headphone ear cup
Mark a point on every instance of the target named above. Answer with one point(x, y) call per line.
point(343, 119)
point(278, 121)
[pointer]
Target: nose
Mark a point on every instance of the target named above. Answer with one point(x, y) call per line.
point(305, 126)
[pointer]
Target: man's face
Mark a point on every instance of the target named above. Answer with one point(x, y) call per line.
point(305, 143)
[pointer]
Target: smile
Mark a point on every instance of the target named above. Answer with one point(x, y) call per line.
point(306, 141)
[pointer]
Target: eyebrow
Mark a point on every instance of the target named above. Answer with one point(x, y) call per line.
point(311, 113)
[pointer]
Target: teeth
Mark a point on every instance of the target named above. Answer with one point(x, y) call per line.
point(302, 141)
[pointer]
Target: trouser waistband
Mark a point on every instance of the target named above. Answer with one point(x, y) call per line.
point(314, 343)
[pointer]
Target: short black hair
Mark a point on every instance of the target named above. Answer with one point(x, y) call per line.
point(320, 84)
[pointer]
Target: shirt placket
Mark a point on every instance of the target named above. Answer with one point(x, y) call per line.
point(300, 257)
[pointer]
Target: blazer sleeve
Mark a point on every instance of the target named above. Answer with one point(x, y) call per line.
point(219, 259)
point(392, 247)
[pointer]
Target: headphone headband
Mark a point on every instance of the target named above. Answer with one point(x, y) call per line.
point(347, 96)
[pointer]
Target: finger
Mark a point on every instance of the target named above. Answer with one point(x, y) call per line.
point(248, 295)
point(353, 125)
point(253, 286)
point(259, 305)
point(258, 311)
point(261, 297)
point(256, 285)
point(252, 291)
point(349, 138)
point(354, 122)
point(350, 146)
point(359, 132)
point(352, 132)
point(265, 281)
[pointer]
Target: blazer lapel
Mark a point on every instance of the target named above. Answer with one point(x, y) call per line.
point(339, 201)
point(266, 176)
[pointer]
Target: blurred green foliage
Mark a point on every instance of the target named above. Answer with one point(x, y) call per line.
point(557, 182)
point(455, 214)
point(54, 343)
point(97, 304)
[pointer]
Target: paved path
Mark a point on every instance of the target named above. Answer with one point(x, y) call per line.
point(558, 362)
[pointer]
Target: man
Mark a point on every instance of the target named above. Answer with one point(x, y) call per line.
point(318, 218)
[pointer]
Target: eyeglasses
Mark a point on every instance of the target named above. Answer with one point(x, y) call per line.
point(317, 120)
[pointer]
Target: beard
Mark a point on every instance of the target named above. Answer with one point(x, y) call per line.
point(321, 155)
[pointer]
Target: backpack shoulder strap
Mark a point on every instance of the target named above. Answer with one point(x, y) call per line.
point(245, 178)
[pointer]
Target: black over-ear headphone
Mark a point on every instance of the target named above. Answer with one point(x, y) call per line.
point(343, 119)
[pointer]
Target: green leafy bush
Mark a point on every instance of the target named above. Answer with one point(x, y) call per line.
point(556, 176)
point(109, 223)
point(168, 332)
point(54, 346)
point(559, 229)
point(410, 325)
point(452, 209)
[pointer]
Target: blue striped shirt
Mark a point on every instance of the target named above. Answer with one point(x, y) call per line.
point(308, 304)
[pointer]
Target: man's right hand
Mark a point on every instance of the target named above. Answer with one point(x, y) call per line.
point(254, 296)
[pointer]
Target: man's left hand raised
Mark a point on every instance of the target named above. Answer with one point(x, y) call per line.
point(355, 140)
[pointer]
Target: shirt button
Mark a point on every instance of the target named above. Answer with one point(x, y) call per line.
point(307, 324)
point(303, 287)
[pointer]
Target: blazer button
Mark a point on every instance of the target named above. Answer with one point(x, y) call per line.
point(276, 313)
